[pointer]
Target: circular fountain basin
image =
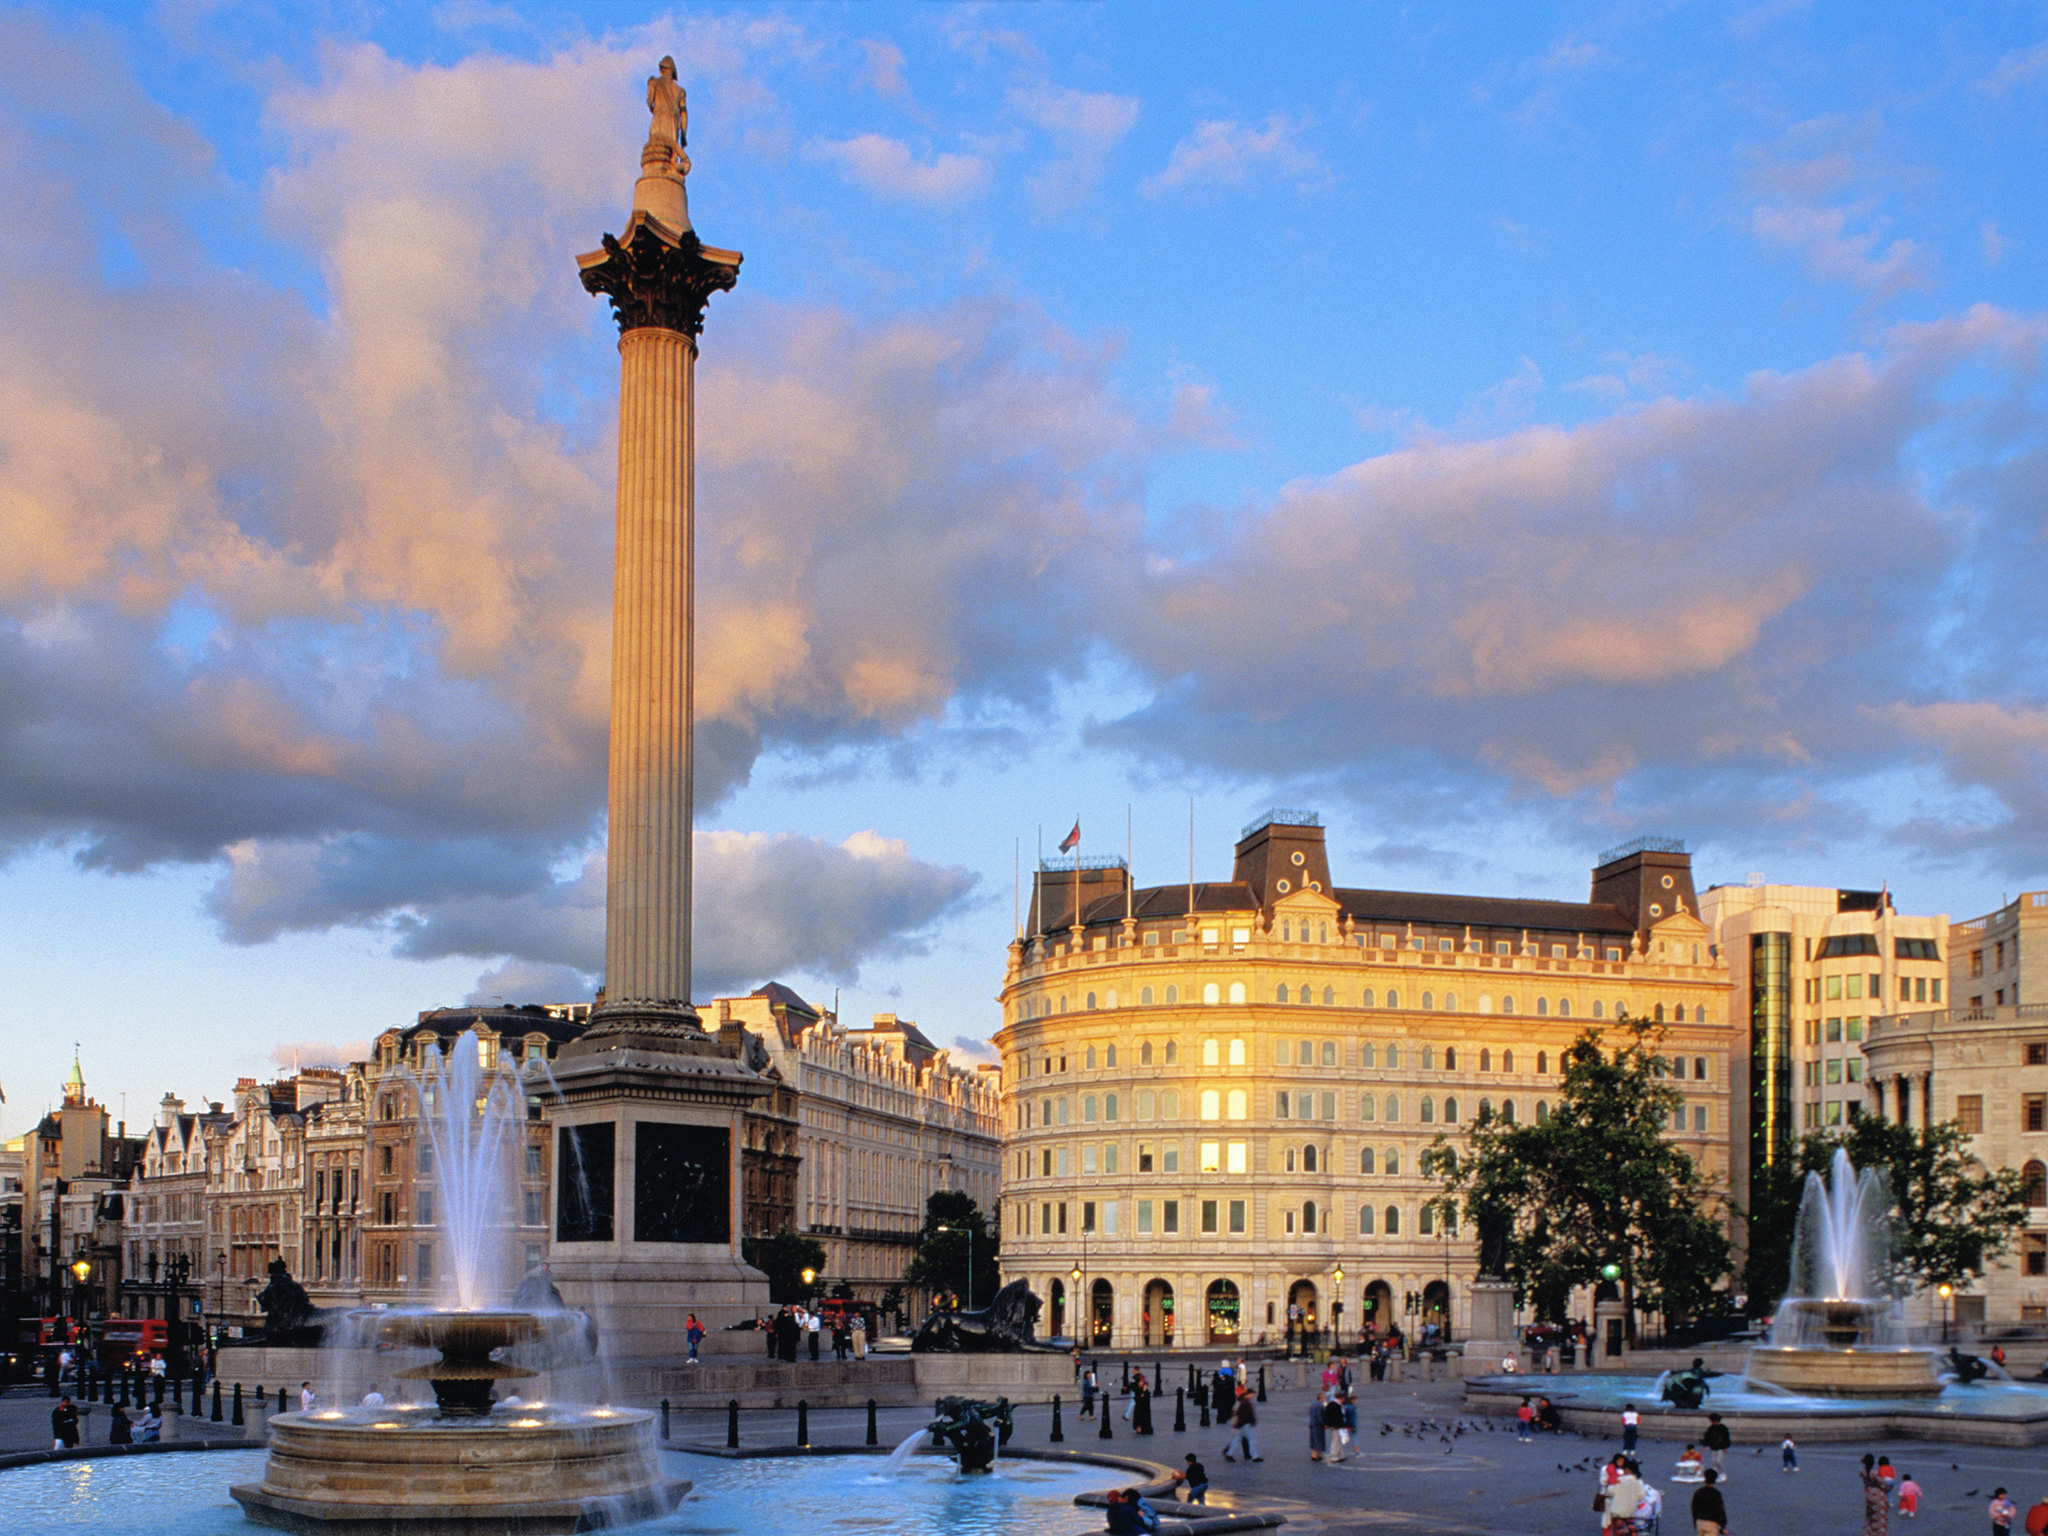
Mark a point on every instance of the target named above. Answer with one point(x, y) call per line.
point(521, 1470)
point(1856, 1371)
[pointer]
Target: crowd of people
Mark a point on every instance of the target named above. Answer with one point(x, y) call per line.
point(798, 1329)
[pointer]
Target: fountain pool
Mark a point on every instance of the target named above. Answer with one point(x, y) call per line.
point(186, 1494)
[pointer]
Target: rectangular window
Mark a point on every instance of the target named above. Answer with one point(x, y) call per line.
point(1855, 986)
point(1970, 1113)
point(426, 1257)
point(1169, 1157)
point(1109, 1157)
point(1699, 1068)
point(1699, 1117)
point(1208, 1216)
point(1235, 1159)
point(1045, 1218)
point(1934, 990)
point(1283, 1104)
point(2034, 1112)
point(2037, 1053)
point(1678, 1118)
point(1834, 989)
point(1856, 1029)
point(1834, 1031)
point(1087, 1215)
point(1144, 1157)
point(1876, 987)
point(1211, 1157)
point(1088, 1158)
point(1834, 1071)
point(1063, 1217)
point(1834, 1114)
point(1109, 1218)
point(1060, 1162)
point(1329, 1106)
point(1144, 1218)
point(2034, 1253)
point(1169, 1217)
point(1237, 1216)
point(1854, 1067)
point(1305, 1106)
point(1046, 1161)
point(1329, 1053)
point(426, 1207)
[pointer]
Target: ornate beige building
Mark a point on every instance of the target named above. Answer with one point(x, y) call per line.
point(1215, 1096)
point(1987, 1069)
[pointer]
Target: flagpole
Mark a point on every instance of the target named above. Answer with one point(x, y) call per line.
point(1130, 890)
point(1077, 873)
point(1191, 866)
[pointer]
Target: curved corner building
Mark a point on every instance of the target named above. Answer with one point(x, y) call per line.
point(1215, 1095)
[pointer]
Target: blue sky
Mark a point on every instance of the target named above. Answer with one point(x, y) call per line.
point(1506, 430)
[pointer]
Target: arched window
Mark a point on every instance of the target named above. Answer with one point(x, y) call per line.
point(1543, 1063)
point(1308, 1216)
point(1087, 1109)
point(1542, 1006)
point(1368, 1107)
point(1543, 1111)
point(1393, 998)
point(1393, 1215)
point(1090, 1057)
point(2034, 1183)
point(1429, 1058)
point(1212, 993)
point(1428, 1001)
point(1212, 1054)
point(1365, 1054)
point(1234, 1105)
point(1507, 1110)
point(1450, 1111)
point(1425, 1222)
point(1109, 1104)
point(1172, 995)
point(1280, 996)
point(1365, 1220)
point(1367, 1001)
point(1428, 1109)
point(1172, 1046)
point(1660, 1013)
point(1485, 1108)
point(1507, 1061)
point(1237, 1053)
point(1145, 1049)
point(1329, 997)
point(1308, 1159)
point(1507, 1004)
point(1450, 1002)
point(1450, 1058)
point(1599, 1009)
point(1169, 1099)
point(1393, 1162)
point(1393, 1057)
point(1365, 1160)
point(1564, 1007)
point(1212, 1104)
point(1485, 1059)
point(1091, 1004)
point(1237, 991)
point(1393, 1108)
point(1109, 1056)
point(1145, 995)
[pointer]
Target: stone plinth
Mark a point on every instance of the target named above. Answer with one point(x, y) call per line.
point(1848, 1372)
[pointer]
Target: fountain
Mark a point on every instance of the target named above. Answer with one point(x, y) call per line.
point(1833, 1334)
point(470, 1462)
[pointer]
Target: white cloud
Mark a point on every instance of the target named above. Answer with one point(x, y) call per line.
point(1226, 153)
point(2020, 67)
point(881, 164)
point(1085, 128)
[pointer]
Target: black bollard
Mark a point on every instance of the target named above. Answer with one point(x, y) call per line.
point(803, 1422)
point(1202, 1402)
point(1058, 1435)
point(1194, 1377)
point(124, 1388)
point(732, 1424)
point(216, 1399)
point(1158, 1377)
point(1180, 1410)
point(92, 1385)
point(1262, 1383)
point(664, 1418)
point(261, 1400)
point(280, 1400)
point(157, 1393)
point(1104, 1432)
point(237, 1417)
point(1127, 1376)
point(874, 1437)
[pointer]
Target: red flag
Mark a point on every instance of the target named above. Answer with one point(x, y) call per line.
point(1072, 840)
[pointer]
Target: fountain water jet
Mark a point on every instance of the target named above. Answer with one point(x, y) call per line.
point(470, 1464)
point(1833, 1334)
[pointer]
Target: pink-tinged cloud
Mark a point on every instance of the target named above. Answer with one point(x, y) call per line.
point(877, 163)
point(1223, 152)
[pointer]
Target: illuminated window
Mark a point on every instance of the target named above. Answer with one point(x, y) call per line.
point(1212, 1104)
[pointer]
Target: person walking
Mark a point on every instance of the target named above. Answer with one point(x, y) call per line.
point(1243, 1417)
point(1909, 1496)
point(1318, 1435)
point(1709, 1509)
point(2002, 1511)
point(1631, 1423)
point(860, 1337)
point(1088, 1393)
point(1788, 1453)
point(1141, 1404)
point(1717, 1440)
point(1877, 1504)
point(64, 1425)
point(1348, 1430)
point(693, 1332)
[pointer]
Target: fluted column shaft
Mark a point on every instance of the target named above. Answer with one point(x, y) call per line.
point(647, 934)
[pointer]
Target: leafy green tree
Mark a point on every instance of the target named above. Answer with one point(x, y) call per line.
point(783, 1258)
point(940, 1264)
point(1599, 1182)
point(1774, 1195)
point(1951, 1217)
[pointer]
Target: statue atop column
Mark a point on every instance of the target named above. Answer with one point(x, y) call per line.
point(669, 132)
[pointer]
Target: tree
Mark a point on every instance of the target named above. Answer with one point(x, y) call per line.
point(1599, 1182)
point(783, 1258)
point(1951, 1217)
point(941, 1261)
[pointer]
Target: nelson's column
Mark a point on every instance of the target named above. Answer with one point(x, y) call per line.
point(648, 1133)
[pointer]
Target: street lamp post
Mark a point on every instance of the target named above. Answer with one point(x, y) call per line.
point(1337, 1311)
point(1947, 1293)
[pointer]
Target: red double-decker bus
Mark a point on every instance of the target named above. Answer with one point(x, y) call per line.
point(123, 1340)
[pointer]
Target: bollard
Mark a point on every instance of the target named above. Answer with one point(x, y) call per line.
point(158, 1394)
point(664, 1418)
point(239, 1416)
point(92, 1384)
point(1127, 1375)
point(732, 1424)
point(1158, 1377)
point(803, 1423)
point(1194, 1377)
point(1180, 1410)
point(1202, 1402)
point(1262, 1383)
point(122, 1376)
point(261, 1400)
point(1107, 1418)
point(874, 1438)
point(1058, 1436)
point(216, 1399)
